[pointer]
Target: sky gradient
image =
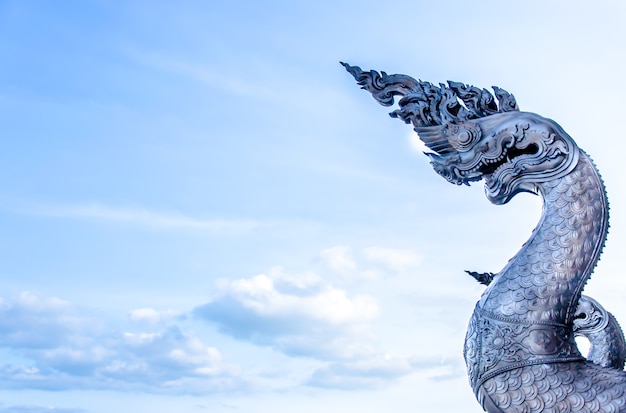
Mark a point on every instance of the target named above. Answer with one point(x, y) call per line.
point(202, 212)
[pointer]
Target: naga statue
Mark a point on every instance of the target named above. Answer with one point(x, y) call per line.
point(520, 347)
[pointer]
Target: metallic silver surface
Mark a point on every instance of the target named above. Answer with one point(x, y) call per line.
point(608, 347)
point(520, 350)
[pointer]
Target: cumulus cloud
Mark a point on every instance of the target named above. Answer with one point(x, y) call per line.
point(163, 358)
point(394, 259)
point(298, 315)
point(77, 355)
point(31, 321)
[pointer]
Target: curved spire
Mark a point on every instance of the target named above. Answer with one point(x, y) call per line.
point(424, 104)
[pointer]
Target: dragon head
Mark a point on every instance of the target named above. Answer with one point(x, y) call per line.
point(472, 137)
point(590, 317)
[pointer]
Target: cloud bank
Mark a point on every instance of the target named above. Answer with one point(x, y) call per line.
point(56, 348)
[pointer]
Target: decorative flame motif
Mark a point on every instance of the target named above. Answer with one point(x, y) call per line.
point(520, 350)
point(424, 104)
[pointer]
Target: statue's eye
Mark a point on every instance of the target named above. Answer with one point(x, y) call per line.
point(581, 316)
point(464, 138)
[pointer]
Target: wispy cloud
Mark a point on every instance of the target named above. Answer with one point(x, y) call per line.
point(372, 372)
point(395, 259)
point(343, 263)
point(39, 409)
point(147, 218)
point(341, 260)
point(151, 316)
point(205, 74)
point(243, 81)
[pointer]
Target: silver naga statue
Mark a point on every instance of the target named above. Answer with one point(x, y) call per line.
point(520, 346)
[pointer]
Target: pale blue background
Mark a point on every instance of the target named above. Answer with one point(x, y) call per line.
point(201, 212)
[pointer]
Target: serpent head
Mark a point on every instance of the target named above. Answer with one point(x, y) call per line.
point(590, 317)
point(512, 151)
point(472, 136)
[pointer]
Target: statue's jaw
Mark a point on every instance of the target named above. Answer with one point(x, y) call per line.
point(461, 169)
point(451, 170)
point(524, 175)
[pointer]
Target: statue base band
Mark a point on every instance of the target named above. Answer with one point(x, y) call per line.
point(495, 344)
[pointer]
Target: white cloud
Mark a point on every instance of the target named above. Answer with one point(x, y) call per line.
point(201, 359)
point(39, 409)
point(60, 350)
point(147, 218)
point(395, 259)
point(207, 75)
point(339, 259)
point(330, 305)
point(31, 321)
point(309, 318)
point(299, 284)
point(370, 373)
point(166, 355)
point(151, 316)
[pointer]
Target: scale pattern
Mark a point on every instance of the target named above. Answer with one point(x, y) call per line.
point(608, 348)
point(544, 280)
point(557, 388)
point(520, 350)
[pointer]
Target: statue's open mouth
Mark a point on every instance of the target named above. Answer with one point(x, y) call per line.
point(484, 167)
point(490, 166)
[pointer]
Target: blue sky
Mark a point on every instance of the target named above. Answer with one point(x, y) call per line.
point(201, 211)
